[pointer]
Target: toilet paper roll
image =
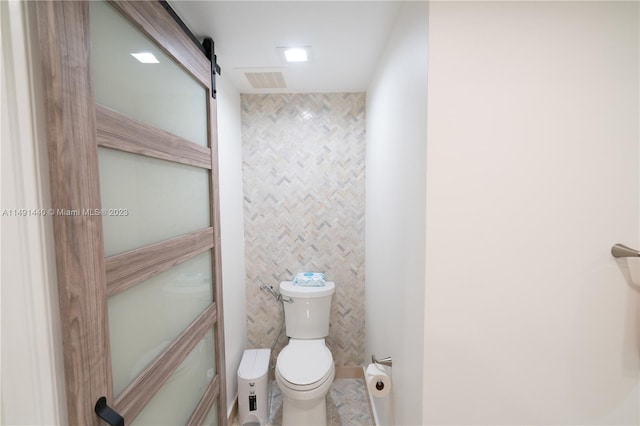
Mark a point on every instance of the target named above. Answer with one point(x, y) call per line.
point(378, 381)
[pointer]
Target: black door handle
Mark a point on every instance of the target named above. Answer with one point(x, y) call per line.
point(107, 413)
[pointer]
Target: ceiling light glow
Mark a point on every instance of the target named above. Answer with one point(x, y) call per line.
point(146, 57)
point(296, 54)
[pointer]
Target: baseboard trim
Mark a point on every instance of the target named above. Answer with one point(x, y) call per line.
point(349, 373)
point(341, 373)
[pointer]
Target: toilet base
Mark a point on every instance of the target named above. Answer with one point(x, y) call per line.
point(304, 413)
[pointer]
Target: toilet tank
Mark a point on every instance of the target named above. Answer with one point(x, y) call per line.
point(307, 309)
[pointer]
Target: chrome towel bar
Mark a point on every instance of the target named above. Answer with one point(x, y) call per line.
point(620, 250)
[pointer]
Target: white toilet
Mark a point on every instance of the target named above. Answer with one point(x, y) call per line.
point(305, 369)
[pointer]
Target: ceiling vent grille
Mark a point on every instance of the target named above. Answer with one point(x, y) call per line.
point(266, 80)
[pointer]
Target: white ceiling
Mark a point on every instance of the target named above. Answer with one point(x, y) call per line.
point(346, 37)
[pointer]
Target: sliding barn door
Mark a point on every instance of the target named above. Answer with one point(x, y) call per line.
point(131, 127)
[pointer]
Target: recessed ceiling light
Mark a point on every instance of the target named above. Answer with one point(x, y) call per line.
point(146, 57)
point(296, 54)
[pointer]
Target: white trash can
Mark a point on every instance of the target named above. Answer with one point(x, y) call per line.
point(253, 387)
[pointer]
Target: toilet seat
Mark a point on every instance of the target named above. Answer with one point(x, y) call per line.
point(311, 386)
point(305, 364)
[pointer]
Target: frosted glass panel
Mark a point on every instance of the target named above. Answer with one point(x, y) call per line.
point(146, 318)
point(161, 199)
point(160, 94)
point(175, 401)
point(212, 417)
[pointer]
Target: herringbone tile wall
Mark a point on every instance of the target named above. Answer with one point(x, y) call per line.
point(304, 204)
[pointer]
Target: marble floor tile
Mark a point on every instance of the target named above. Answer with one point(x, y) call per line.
point(347, 404)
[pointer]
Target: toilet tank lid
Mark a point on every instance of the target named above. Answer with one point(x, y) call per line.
point(288, 288)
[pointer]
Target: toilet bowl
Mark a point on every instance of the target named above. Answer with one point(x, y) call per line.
point(304, 373)
point(304, 369)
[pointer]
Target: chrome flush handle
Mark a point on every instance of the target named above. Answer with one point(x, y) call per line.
point(384, 361)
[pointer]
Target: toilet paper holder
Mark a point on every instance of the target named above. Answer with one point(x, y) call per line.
point(384, 361)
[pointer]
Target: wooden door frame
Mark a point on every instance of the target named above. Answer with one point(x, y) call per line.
point(73, 134)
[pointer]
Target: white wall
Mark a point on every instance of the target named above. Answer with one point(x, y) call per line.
point(232, 230)
point(32, 387)
point(395, 212)
point(532, 175)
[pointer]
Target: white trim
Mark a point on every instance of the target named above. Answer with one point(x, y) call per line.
point(372, 405)
point(32, 386)
point(232, 412)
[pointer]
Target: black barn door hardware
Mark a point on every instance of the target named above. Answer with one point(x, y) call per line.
point(107, 413)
